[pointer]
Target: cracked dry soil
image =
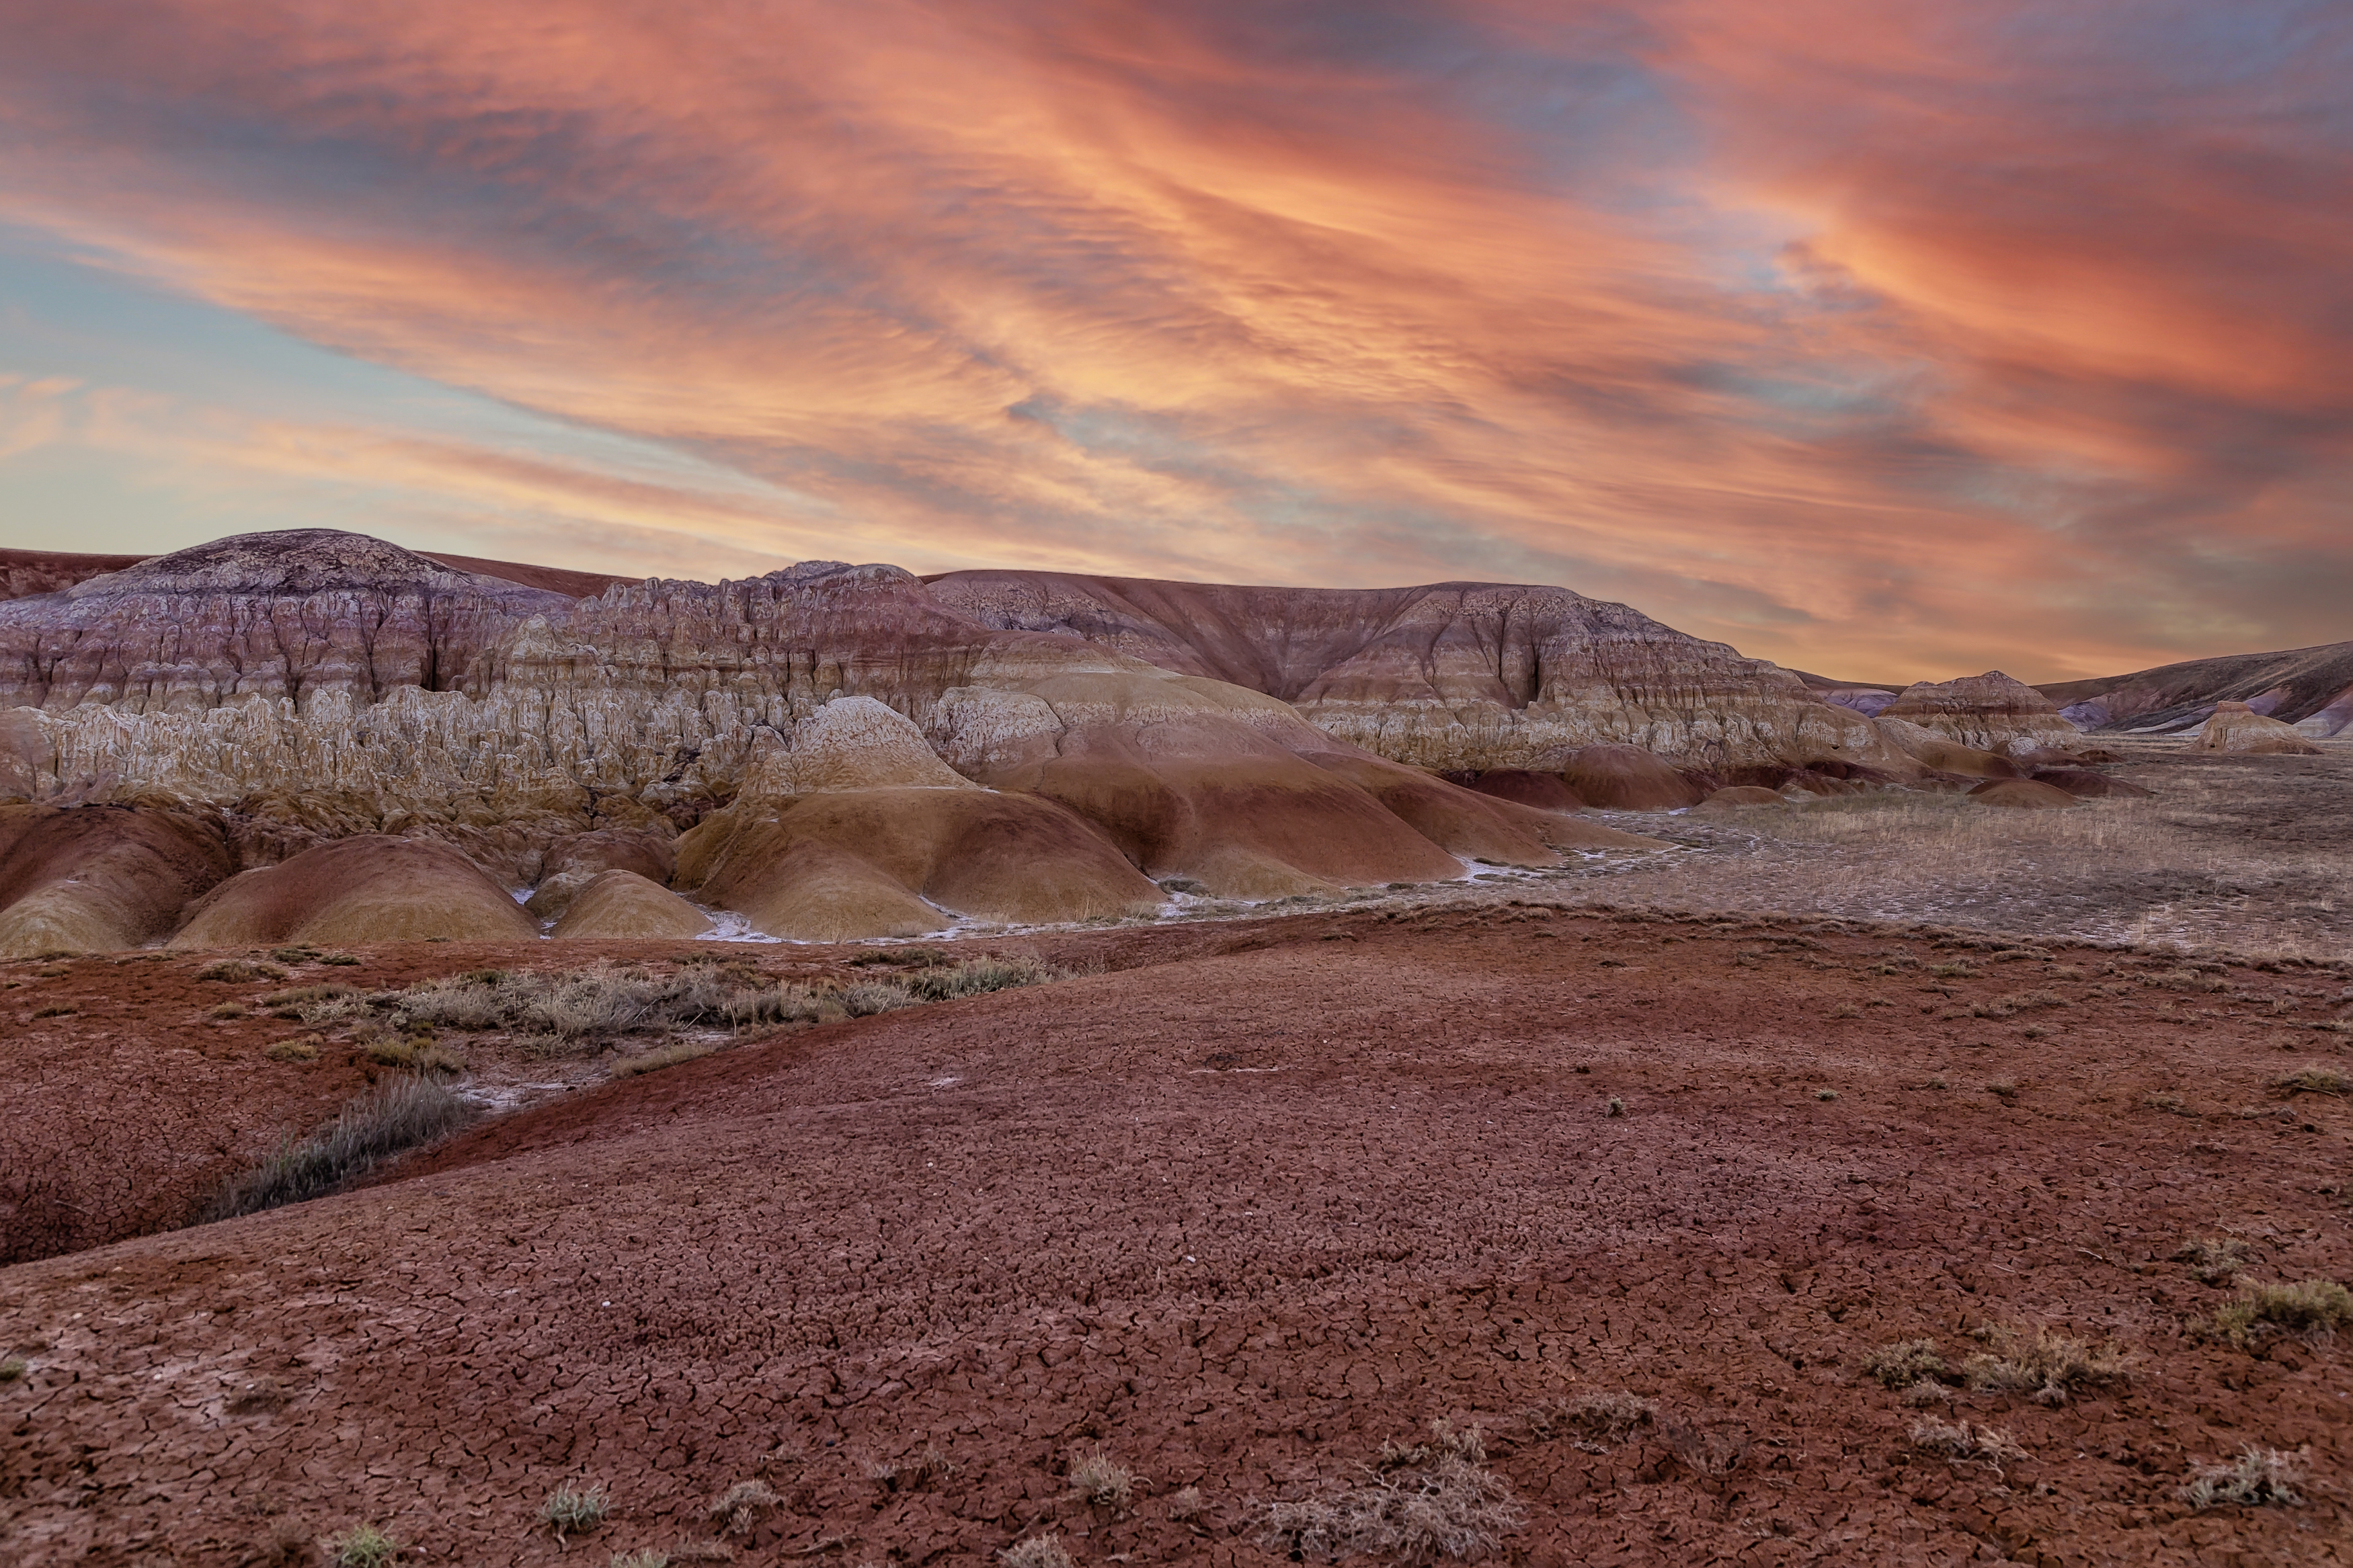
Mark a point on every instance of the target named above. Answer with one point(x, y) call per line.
point(1239, 1210)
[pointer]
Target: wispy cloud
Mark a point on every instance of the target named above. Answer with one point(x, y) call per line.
point(1892, 337)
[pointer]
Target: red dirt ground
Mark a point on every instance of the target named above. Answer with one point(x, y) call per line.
point(1257, 1199)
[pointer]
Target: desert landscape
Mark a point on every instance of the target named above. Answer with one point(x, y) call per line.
point(509, 1064)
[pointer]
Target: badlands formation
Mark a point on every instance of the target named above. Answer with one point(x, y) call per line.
point(320, 736)
point(1376, 1104)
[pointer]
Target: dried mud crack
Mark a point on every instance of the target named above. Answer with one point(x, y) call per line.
point(1228, 1214)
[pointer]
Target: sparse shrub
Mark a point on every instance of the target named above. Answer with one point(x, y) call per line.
point(1959, 1440)
point(2313, 1080)
point(1953, 971)
point(228, 1010)
point(925, 1470)
point(648, 1558)
point(294, 955)
point(1826, 1094)
point(416, 1054)
point(1102, 1480)
point(399, 1113)
point(342, 959)
point(2212, 1260)
point(1616, 1107)
point(2314, 1309)
point(2165, 1101)
point(1419, 1502)
point(660, 1058)
point(574, 1511)
point(2258, 1478)
point(1905, 1362)
point(363, 1546)
point(738, 1510)
point(869, 997)
point(1038, 1551)
point(12, 1369)
point(2003, 1089)
point(235, 969)
point(1185, 1504)
point(317, 1004)
point(305, 1049)
point(2049, 1366)
point(62, 1011)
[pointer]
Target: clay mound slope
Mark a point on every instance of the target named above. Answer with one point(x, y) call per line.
point(900, 861)
point(2021, 795)
point(1736, 796)
point(1628, 778)
point(623, 904)
point(2087, 783)
point(571, 863)
point(1943, 754)
point(1465, 822)
point(1197, 779)
point(2235, 727)
point(1545, 792)
point(96, 878)
point(360, 890)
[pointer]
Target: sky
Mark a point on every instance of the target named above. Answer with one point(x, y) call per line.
point(1887, 339)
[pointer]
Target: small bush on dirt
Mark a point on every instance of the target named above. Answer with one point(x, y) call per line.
point(660, 1058)
point(1102, 1480)
point(302, 1050)
point(2212, 1260)
point(2258, 1478)
point(399, 1113)
point(925, 1470)
point(1185, 1504)
point(2312, 1309)
point(295, 954)
point(1953, 971)
point(1959, 1440)
point(2171, 1103)
point(1905, 1362)
point(62, 1011)
point(12, 1369)
point(1038, 1551)
point(574, 1511)
point(648, 1558)
point(225, 1010)
point(1616, 1107)
point(363, 1546)
point(738, 1510)
point(2002, 1089)
point(1826, 1094)
point(234, 969)
point(416, 1055)
point(2049, 1366)
point(2312, 1081)
point(1420, 1501)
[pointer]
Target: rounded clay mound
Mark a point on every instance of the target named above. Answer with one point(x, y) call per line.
point(97, 879)
point(1628, 778)
point(1942, 752)
point(1464, 822)
point(1738, 795)
point(2021, 795)
point(2084, 783)
point(362, 889)
point(572, 863)
point(898, 862)
point(2235, 727)
point(624, 904)
point(1545, 792)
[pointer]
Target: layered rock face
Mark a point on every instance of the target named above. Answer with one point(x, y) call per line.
point(1455, 676)
point(2237, 727)
point(1989, 712)
point(2309, 688)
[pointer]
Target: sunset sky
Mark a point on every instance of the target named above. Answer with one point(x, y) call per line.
point(1883, 337)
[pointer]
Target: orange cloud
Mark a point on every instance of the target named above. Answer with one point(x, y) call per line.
point(1881, 337)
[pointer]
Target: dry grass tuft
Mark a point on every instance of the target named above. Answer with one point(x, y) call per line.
point(738, 1510)
point(1038, 1551)
point(305, 1049)
point(1959, 1440)
point(1616, 1107)
point(1185, 1504)
point(2313, 1309)
point(2049, 1366)
point(363, 1546)
point(2258, 1478)
point(574, 1511)
point(1905, 1362)
point(1420, 1502)
point(1610, 1415)
point(921, 1473)
point(239, 968)
point(658, 1057)
point(2312, 1081)
point(2212, 1260)
point(1102, 1480)
point(400, 1113)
